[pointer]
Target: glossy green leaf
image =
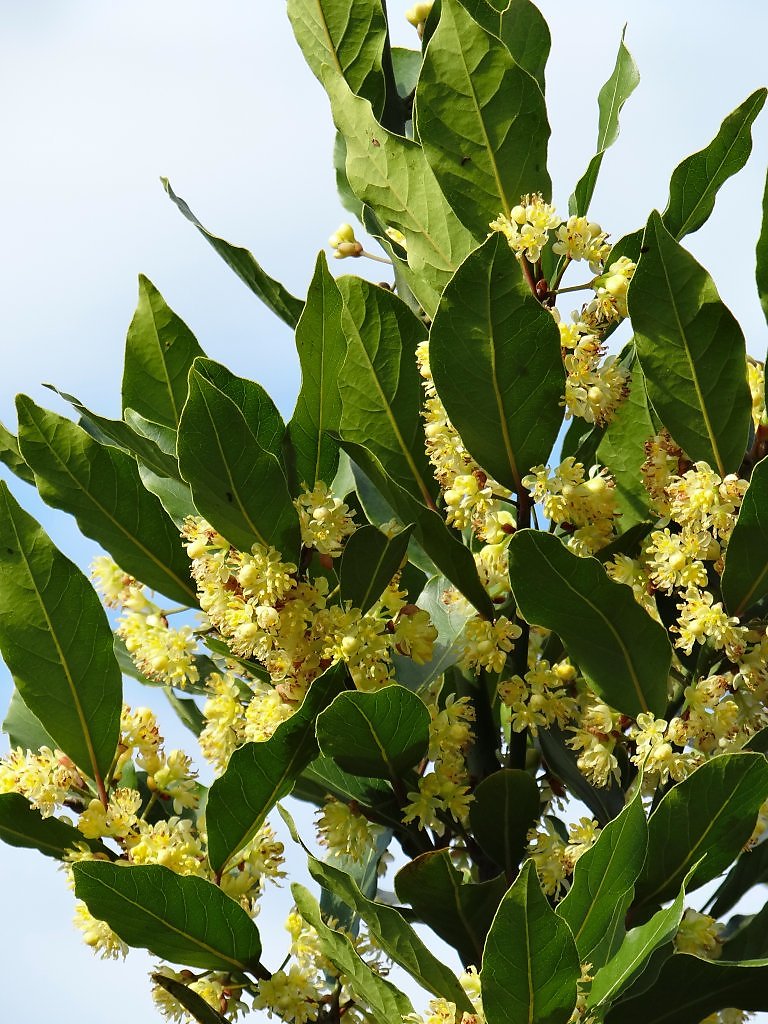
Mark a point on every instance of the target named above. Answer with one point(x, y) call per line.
point(11, 457)
point(260, 774)
point(324, 777)
point(380, 386)
point(750, 869)
point(614, 94)
point(689, 989)
point(391, 174)
point(530, 963)
point(460, 912)
point(506, 805)
point(22, 728)
point(622, 651)
point(692, 352)
point(749, 940)
point(605, 802)
point(636, 953)
point(56, 642)
point(230, 440)
point(387, 1003)
point(193, 1003)
point(621, 449)
point(159, 352)
point(406, 65)
point(380, 734)
point(604, 884)
point(526, 34)
point(189, 714)
point(481, 119)
point(495, 357)
point(271, 292)
point(180, 918)
point(761, 256)
point(709, 815)
point(21, 825)
point(100, 486)
point(696, 181)
point(321, 346)
point(369, 562)
point(173, 493)
point(745, 577)
point(449, 620)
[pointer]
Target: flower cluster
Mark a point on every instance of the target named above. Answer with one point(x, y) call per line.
point(555, 855)
point(582, 504)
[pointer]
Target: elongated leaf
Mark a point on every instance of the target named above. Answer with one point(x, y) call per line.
point(482, 121)
point(689, 989)
point(621, 650)
point(530, 963)
point(369, 562)
point(761, 255)
point(22, 728)
point(605, 802)
point(604, 885)
point(696, 181)
point(505, 807)
point(380, 386)
point(379, 735)
point(449, 620)
point(174, 493)
point(260, 774)
point(611, 98)
point(324, 777)
point(21, 825)
point(159, 352)
point(388, 1004)
point(622, 450)
point(495, 356)
point(11, 457)
point(635, 952)
point(271, 292)
point(460, 912)
point(188, 712)
point(691, 350)
point(184, 919)
point(322, 346)
point(750, 869)
point(56, 642)
point(100, 486)
point(391, 174)
point(526, 34)
point(193, 1003)
point(745, 577)
point(749, 941)
point(709, 815)
point(230, 438)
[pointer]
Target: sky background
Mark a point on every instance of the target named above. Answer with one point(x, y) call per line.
point(102, 99)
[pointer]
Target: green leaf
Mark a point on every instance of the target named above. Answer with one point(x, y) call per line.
point(321, 346)
point(633, 955)
point(159, 352)
point(709, 815)
point(530, 963)
point(11, 457)
point(440, 543)
point(696, 181)
point(323, 776)
point(459, 912)
point(761, 257)
point(188, 712)
point(174, 493)
point(183, 919)
point(22, 728)
point(604, 884)
point(391, 174)
point(393, 935)
point(56, 642)
point(21, 825)
point(230, 440)
point(689, 989)
point(624, 654)
point(692, 352)
point(369, 562)
point(621, 449)
point(277, 298)
point(526, 34)
point(495, 357)
point(193, 1003)
point(100, 486)
point(406, 65)
point(387, 1003)
point(605, 802)
point(380, 735)
point(505, 807)
point(611, 98)
point(745, 577)
point(380, 386)
point(482, 121)
point(750, 869)
point(260, 774)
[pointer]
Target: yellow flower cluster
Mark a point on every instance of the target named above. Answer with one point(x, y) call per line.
point(700, 935)
point(555, 857)
point(345, 831)
point(540, 698)
point(218, 990)
point(442, 1011)
point(527, 226)
point(595, 385)
point(584, 505)
point(46, 778)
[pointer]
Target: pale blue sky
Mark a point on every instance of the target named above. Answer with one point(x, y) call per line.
point(102, 99)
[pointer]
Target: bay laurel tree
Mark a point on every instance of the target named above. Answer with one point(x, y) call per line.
point(495, 598)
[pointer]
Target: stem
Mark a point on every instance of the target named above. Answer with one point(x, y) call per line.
point(570, 288)
point(378, 259)
point(559, 275)
point(528, 275)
